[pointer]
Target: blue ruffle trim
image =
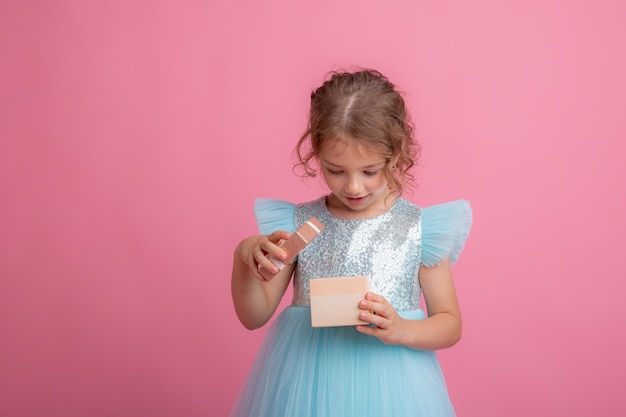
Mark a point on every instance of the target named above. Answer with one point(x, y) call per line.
point(272, 214)
point(445, 228)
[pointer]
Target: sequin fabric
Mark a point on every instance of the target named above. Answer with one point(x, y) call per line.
point(386, 247)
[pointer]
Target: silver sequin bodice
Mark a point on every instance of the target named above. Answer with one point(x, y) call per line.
point(387, 248)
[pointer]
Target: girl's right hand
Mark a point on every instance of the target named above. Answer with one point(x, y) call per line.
point(257, 285)
point(253, 252)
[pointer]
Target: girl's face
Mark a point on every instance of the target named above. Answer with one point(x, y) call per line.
point(354, 175)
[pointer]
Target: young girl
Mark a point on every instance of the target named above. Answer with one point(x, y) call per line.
point(360, 139)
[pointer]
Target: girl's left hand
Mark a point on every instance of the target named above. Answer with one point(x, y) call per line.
point(390, 327)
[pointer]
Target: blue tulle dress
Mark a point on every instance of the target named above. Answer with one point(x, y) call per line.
point(337, 371)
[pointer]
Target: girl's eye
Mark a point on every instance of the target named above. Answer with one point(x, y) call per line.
point(333, 171)
point(370, 172)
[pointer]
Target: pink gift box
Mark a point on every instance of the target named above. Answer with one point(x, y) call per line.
point(335, 301)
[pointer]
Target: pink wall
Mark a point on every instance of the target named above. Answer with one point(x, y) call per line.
point(134, 136)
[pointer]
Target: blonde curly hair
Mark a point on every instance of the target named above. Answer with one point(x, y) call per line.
point(364, 107)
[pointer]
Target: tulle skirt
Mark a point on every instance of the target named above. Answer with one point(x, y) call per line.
point(339, 372)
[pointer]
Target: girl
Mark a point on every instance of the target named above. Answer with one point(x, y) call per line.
point(360, 139)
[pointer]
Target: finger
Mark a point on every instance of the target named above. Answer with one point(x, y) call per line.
point(372, 296)
point(274, 250)
point(278, 235)
point(368, 330)
point(372, 318)
point(262, 265)
point(266, 266)
point(375, 308)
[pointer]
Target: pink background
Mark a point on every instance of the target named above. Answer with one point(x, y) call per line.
point(134, 136)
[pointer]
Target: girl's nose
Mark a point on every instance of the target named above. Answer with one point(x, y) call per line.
point(353, 186)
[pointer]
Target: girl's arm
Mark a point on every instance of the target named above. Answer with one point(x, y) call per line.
point(255, 297)
point(440, 330)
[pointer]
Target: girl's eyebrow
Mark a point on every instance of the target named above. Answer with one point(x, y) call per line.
point(365, 167)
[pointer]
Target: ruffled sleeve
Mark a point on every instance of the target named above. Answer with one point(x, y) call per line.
point(445, 228)
point(272, 214)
